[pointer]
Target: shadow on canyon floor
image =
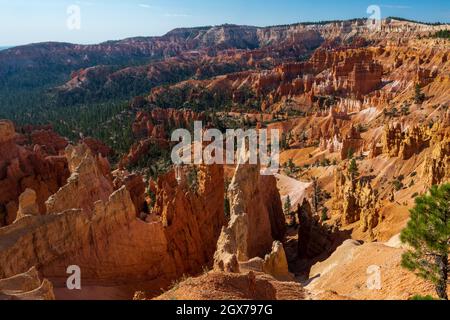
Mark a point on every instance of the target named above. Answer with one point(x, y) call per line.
point(301, 266)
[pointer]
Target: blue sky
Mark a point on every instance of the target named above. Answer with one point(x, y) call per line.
point(27, 21)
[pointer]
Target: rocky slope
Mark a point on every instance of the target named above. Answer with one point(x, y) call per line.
point(108, 68)
point(56, 61)
point(351, 72)
point(345, 275)
point(231, 286)
point(153, 128)
point(91, 225)
point(100, 82)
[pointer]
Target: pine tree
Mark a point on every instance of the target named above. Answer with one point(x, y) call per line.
point(284, 144)
point(287, 206)
point(353, 169)
point(227, 206)
point(428, 234)
point(316, 194)
point(324, 214)
point(291, 166)
point(419, 96)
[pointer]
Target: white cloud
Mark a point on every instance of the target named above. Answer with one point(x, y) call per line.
point(148, 6)
point(395, 6)
point(177, 15)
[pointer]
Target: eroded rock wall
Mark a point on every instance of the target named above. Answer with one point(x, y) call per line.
point(26, 167)
point(355, 200)
point(256, 219)
point(105, 238)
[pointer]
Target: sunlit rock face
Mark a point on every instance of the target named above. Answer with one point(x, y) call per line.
point(256, 219)
point(92, 223)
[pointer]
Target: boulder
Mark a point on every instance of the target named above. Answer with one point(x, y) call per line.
point(276, 264)
point(27, 204)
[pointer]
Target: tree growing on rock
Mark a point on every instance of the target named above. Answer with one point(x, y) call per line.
point(288, 211)
point(428, 234)
point(287, 206)
point(419, 96)
point(353, 169)
point(291, 168)
point(316, 194)
point(226, 203)
point(324, 214)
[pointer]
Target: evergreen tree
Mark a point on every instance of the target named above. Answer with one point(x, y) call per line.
point(284, 143)
point(290, 215)
point(324, 214)
point(226, 204)
point(316, 194)
point(353, 169)
point(287, 206)
point(428, 234)
point(291, 166)
point(350, 153)
point(419, 96)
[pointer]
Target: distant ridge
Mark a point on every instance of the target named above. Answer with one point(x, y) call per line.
point(438, 23)
point(187, 32)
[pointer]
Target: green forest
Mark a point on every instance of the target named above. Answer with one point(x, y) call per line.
point(442, 34)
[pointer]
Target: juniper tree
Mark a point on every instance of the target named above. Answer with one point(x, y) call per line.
point(428, 234)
